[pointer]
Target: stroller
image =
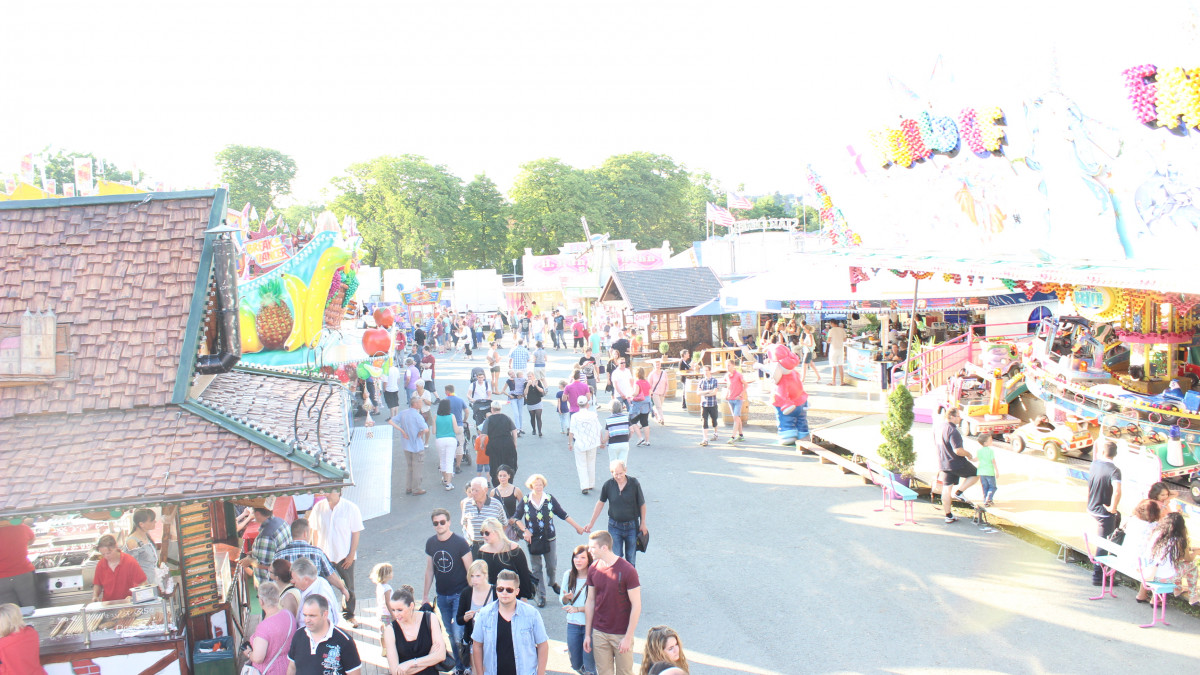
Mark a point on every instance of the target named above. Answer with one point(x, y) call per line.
point(479, 408)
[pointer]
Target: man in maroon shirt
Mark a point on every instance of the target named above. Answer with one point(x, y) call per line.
point(614, 605)
point(116, 573)
point(16, 572)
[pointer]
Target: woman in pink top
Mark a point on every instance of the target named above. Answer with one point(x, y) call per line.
point(658, 391)
point(270, 641)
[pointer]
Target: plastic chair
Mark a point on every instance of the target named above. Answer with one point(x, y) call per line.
point(1158, 595)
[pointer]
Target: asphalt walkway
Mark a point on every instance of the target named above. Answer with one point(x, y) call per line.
point(766, 561)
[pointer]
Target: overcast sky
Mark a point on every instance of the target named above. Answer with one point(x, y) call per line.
point(751, 91)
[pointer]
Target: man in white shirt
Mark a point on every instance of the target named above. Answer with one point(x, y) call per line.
point(391, 390)
point(584, 441)
point(304, 576)
point(337, 524)
point(623, 383)
point(837, 352)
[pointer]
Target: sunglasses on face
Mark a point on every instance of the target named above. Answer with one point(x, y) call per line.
point(485, 533)
point(440, 522)
point(505, 589)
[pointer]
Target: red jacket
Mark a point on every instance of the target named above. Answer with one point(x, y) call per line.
point(19, 653)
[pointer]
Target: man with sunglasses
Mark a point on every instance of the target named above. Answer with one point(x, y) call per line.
point(509, 635)
point(447, 558)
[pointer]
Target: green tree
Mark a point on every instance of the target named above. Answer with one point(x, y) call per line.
point(256, 175)
point(481, 239)
point(406, 210)
point(298, 213)
point(810, 218)
point(645, 198)
point(60, 167)
point(549, 197)
point(896, 451)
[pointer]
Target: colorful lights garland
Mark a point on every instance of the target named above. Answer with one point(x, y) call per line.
point(1164, 95)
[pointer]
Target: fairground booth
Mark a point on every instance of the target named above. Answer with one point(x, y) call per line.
point(121, 394)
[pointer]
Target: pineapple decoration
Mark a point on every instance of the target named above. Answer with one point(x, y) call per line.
point(342, 288)
point(274, 321)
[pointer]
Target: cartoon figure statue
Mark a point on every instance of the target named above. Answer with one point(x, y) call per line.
point(790, 400)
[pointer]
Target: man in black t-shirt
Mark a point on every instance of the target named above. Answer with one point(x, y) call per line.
point(447, 557)
point(621, 344)
point(560, 324)
point(320, 648)
point(952, 461)
point(1104, 494)
point(626, 511)
point(419, 339)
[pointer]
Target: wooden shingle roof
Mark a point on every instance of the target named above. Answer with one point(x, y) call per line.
point(665, 289)
point(121, 276)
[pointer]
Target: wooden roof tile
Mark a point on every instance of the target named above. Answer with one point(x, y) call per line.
point(91, 263)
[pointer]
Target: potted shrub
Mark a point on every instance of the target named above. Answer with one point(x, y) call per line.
point(896, 451)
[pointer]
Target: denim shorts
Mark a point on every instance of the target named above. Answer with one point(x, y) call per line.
point(735, 408)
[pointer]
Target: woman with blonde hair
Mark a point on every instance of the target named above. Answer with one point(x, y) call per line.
point(18, 644)
point(478, 593)
point(663, 646)
point(502, 553)
point(535, 518)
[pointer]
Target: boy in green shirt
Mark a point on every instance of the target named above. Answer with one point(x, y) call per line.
point(988, 474)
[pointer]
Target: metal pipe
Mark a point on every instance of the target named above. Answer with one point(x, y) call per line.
point(229, 341)
point(912, 326)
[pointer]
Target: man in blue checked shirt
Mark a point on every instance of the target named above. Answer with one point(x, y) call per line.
point(301, 547)
point(273, 534)
point(518, 358)
point(708, 404)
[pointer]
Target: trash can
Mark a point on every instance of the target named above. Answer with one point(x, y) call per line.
point(214, 657)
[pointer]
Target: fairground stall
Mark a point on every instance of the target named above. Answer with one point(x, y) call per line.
point(652, 303)
point(123, 408)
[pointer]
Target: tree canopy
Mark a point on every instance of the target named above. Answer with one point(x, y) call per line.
point(256, 175)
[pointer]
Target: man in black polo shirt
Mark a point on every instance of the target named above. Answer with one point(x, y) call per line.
point(621, 344)
point(1104, 494)
point(952, 461)
point(320, 648)
point(626, 511)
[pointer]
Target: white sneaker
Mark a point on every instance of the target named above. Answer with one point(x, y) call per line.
point(448, 486)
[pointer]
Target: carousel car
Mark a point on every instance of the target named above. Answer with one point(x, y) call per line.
point(1000, 358)
point(1054, 440)
point(1172, 400)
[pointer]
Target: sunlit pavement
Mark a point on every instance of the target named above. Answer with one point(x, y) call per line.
point(769, 562)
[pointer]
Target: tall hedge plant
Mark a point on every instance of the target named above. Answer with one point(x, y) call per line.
point(897, 448)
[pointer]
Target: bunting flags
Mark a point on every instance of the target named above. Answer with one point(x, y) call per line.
point(27, 168)
point(737, 201)
point(68, 189)
point(718, 215)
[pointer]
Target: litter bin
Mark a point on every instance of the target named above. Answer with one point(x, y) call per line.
point(214, 657)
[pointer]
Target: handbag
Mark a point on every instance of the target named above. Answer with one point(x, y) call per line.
point(540, 545)
point(249, 669)
point(447, 664)
point(643, 540)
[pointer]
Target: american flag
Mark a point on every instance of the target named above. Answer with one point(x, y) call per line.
point(718, 215)
point(737, 201)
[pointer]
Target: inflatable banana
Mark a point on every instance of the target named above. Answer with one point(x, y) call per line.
point(318, 290)
point(298, 293)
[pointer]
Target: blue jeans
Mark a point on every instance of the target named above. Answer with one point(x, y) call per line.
point(624, 539)
point(408, 394)
point(580, 660)
point(518, 405)
point(989, 487)
point(448, 606)
point(792, 427)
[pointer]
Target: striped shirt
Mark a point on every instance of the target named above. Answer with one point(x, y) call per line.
point(473, 516)
point(706, 384)
point(617, 427)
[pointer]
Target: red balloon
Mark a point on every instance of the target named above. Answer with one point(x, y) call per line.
point(383, 317)
point(343, 375)
point(376, 341)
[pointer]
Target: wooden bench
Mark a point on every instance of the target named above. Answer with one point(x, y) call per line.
point(1113, 558)
point(893, 490)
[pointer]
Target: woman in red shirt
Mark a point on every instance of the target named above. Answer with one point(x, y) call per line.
point(16, 572)
point(18, 644)
point(116, 573)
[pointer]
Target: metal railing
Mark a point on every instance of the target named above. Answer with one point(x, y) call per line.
point(937, 365)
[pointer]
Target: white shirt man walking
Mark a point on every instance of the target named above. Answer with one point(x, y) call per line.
point(584, 441)
point(336, 526)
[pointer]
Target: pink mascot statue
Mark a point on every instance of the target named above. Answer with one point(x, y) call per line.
point(790, 400)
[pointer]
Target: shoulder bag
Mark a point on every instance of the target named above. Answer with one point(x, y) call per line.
point(249, 668)
point(447, 664)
